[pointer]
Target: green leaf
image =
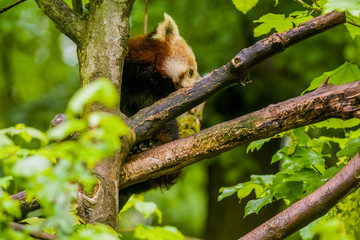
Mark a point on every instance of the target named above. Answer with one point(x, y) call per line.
point(254, 206)
point(158, 233)
point(270, 21)
point(256, 144)
point(32, 220)
point(299, 17)
point(247, 189)
point(5, 181)
point(302, 158)
point(281, 154)
point(350, 150)
point(338, 123)
point(5, 141)
point(263, 180)
point(31, 166)
point(351, 6)
point(244, 5)
point(226, 192)
point(26, 133)
point(344, 74)
point(101, 90)
point(147, 209)
point(67, 128)
point(352, 26)
point(108, 122)
point(279, 22)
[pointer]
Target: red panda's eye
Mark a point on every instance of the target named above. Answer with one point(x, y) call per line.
point(191, 72)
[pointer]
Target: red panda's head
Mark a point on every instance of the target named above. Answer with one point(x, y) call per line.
point(168, 51)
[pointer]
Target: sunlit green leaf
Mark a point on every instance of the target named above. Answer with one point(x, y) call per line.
point(5, 141)
point(244, 5)
point(5, 181)
point(101, 90)
point(352, 26)
point(158, 233)
point(248, 188)
point(351, 6)
point(344, 74)
point(67, 128)
point(31, 166)
point(338, 123)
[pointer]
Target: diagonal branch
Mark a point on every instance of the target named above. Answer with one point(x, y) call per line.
point(11, 6)
point(65, 19)
point(329, 101)
point(311, 207)
point(150, 119)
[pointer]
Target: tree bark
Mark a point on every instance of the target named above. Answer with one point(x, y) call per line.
point(101, 54)
point(311, 207)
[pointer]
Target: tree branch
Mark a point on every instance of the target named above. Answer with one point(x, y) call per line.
point(311, 207)
point(11, 6)
point(36, 234)
point(65, 19)
point(149, 120)
point(329, 101)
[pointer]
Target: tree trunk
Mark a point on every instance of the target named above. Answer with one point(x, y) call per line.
point(101, 53)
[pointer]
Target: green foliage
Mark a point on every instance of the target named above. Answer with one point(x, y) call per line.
point(344, 74)
point(351, 6)
point(245, 5)
point(50, 171)
point(279, 22)
point(158, 233)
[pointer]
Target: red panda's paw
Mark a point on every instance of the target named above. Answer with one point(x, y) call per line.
point(146, 145)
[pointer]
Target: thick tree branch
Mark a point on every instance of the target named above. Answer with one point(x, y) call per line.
point(65, 19)
point(326, 102)
point(150, 119)
point(311, 207)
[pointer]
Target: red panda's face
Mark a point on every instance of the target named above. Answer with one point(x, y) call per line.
point(179, 64)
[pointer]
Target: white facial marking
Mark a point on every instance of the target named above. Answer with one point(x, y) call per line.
point(175, 67)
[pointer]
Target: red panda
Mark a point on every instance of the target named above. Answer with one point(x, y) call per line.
point(156, 65)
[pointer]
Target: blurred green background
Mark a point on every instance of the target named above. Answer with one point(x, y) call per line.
point(39, 72)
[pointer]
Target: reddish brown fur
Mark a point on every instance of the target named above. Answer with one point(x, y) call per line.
point(144, 49)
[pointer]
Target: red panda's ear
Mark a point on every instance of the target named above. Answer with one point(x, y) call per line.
point(166, 29)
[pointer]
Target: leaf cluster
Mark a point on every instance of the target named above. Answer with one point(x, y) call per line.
point(303, 158)
point(49, 165)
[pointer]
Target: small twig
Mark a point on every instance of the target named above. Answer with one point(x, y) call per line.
point(352, 22)
point(11, 6)
point(146, 15)
point(36, 234)
point(308, 6)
